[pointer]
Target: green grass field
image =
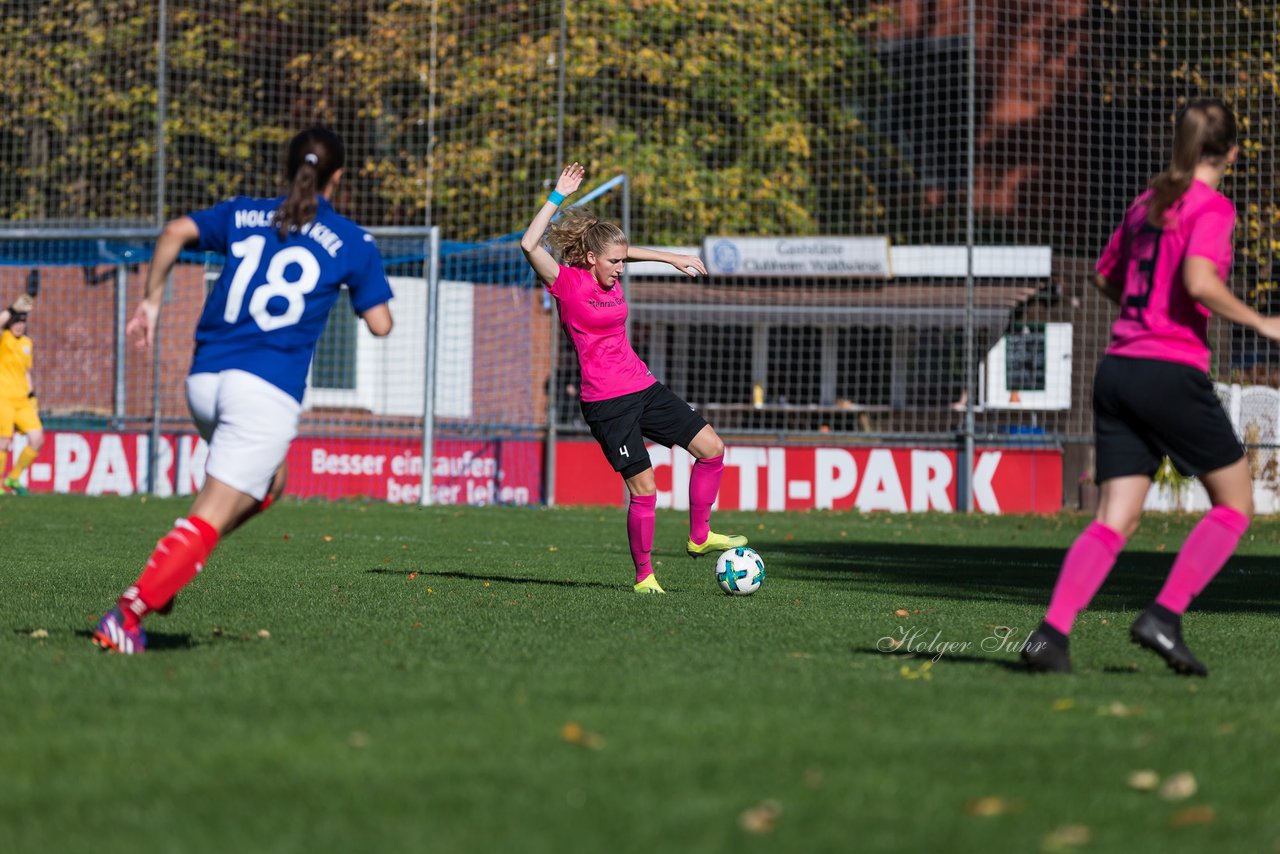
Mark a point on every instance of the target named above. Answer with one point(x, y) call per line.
point(352, 677)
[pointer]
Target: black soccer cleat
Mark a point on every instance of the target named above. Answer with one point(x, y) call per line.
point(1045, 651)
point(1160, 630)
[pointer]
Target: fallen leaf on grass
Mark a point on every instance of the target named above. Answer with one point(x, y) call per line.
point(574, 733)
point(328, 539)
point(902, 612)
point(1119, 710)
point(762, 818)
point(413, 575)
point(1193, 815)
point(264, 634)
point(991, 805)
point(1064, 704)
point(922, 673)
point(1179, 787)
point(358, 740)
point(40, 634)
point(552, 549)
point(1145, 780)
point(1067, 836)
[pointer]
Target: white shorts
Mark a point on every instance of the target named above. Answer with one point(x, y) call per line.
point(248, 424)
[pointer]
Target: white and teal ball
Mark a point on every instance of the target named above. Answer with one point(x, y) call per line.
point(740, 571)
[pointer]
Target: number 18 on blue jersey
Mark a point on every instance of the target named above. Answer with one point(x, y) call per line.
point(271, 301)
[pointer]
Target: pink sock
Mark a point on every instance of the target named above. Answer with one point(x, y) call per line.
point(1205, 552)
point(640, 533)
point(1084, 569)
point(704, 486)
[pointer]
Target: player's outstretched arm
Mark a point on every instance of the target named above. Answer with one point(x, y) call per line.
point(690, 265)
point(24, 303)
point(378, 319)
point(531, 243)
point(176, 234)
point(1204, 285)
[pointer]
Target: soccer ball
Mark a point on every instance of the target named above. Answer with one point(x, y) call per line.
point(740, 572)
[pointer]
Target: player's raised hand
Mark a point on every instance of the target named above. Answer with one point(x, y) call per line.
point(570, 179)
point(24, 303)
point(143, 324)
point(1269, 328)
point(690, 265)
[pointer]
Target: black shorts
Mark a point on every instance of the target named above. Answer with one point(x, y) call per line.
point(1145, 409)
point(621, 424)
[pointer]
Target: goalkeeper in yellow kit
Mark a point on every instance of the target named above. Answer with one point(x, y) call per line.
point(18, 409)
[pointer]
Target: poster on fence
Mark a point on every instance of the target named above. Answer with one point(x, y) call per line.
point(466, 471)
point(898, 480)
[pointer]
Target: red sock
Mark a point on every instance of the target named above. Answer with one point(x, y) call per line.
point(177, 558)
point(1205, 552)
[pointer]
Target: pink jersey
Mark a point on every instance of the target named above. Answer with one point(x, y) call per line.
point(1158, 318)
point(595, 319)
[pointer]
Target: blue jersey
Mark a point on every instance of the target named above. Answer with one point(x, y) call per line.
point(271, 302)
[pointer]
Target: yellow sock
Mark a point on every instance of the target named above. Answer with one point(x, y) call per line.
point(25, 459)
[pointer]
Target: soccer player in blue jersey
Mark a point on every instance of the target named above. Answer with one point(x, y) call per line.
point(287, 258)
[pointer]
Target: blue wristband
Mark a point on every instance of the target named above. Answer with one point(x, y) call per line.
point(556, 198)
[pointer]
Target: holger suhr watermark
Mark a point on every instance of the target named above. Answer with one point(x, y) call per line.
point(917, 641)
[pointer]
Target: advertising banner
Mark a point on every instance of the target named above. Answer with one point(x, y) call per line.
point(807, 478)
point(473, 472)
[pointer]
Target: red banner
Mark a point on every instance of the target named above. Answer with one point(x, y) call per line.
point(465, 471)
point(805, 478)
point(478, 473)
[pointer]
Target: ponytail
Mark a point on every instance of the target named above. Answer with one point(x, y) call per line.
point(578, 231)
point(310, 161)
point(1205, 130)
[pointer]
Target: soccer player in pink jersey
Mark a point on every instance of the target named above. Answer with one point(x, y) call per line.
point(621, 400)
point(1166, 266)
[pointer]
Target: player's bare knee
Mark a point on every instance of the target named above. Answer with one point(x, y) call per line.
point(707, 444)
point(643, 483)
point(278, 483)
